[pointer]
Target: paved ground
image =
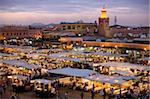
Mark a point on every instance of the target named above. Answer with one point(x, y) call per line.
point(73, 94)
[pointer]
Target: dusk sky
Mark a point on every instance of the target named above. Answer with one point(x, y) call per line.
point(128, 12)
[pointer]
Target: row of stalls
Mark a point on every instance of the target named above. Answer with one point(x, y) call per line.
point(144, 61)
point(122, 68)
point(109, 71)
point(42, 87)
point(21, 67)
point(22, 76)
point(85, 79)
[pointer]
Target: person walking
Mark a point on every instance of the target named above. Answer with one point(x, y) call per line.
point(66, 95)
point(57, 94)
point(4, 87)
point(104, 90)
point(82, 95)
point(111, 92)
point(92, 91)
point(101, 93)
point(1, 91)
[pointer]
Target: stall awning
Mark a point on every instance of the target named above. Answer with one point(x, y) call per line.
point(73, 72)
point(145, 59)
point(20, 63)
point(124, 65)
point(18, 76)
point(71, 59)
point(57, 55)
point(109, 79)
point(106, 54)
point(124, 73)
point(4, 54)
point(43, 81)
point(2, 73)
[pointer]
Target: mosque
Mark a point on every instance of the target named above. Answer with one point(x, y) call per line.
point(103, 28)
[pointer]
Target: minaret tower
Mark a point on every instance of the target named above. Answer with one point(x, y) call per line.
point(104, 24)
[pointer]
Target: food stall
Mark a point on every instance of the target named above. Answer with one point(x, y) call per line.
point(134, 69)
point(3, 77)
point(101, 81)
point(43, 87)
point(74, 77)
point(18, 82)
point(21, 67)
point(144, 61)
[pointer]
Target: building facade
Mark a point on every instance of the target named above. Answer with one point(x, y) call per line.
point(129, 32)
point(8, 32)
point(83, 28)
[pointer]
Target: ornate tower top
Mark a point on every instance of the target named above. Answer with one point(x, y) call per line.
point(104, 13)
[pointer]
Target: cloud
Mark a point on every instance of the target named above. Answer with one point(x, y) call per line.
point(47, 11)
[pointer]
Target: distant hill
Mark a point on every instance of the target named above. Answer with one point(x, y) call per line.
point(37, 25)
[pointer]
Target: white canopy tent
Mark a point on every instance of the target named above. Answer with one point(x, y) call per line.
point(4, 54)
point(19, 63)
point(125, 73)
point(122, 65)
point(2, 73)
point(44, 81)
point(72, 59)
point(106, 54)
point(145, 59)
point(18, 76)
point(56, 55)
point(109, 79)
point(73, 72)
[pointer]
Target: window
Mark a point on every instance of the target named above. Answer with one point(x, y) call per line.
point(69, 27)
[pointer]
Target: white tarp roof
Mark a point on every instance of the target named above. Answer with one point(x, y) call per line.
point(121, 72)
point(2, 73)
point(97, 53)
point(47, 50)
point(44, 81)
point(18, 76)
point(145, 59)
point(58, 55)
point(35, 55)
point(20, 63)
point(109, 79)
point(71, 59)
point(73, 72)
point(106, 54)
point(63, 57)
point(124, 65)
point(118, 55)
point(4, 54)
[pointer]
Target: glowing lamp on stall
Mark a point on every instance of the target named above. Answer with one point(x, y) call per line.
point(97, 79)
point(102, 45)
point(91, 48)
point(9, 77)
point(116, 81)
point(84, 45)
point(116, 46)
point(15, 77)
point(77, 43)
point(79, 35)
point(145, 49)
